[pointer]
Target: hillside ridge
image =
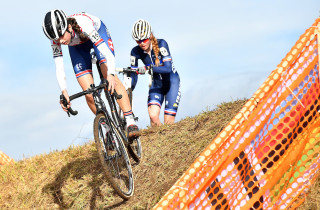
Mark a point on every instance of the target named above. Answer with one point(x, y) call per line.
point(73, 179)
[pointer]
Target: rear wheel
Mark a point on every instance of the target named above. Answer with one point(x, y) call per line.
point(113, 156)
point(135, 148)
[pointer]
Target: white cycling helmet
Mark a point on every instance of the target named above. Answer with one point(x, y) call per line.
point(54, 24)
point(141, 30)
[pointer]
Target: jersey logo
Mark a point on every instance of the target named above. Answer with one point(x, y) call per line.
point(179, 95)
point(110, 43)
point(164, 51)
point(79, 66)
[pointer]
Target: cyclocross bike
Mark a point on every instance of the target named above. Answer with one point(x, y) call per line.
point(110, 138)
point(134, 147)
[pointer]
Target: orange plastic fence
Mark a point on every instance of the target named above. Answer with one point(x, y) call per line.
point(5, 159)
point(268, 155)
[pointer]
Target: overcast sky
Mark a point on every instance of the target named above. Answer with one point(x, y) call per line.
point(223, 51)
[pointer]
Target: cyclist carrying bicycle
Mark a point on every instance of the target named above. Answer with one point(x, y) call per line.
point(155, 54)
point(82, 32)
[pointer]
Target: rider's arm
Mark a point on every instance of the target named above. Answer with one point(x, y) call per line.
point(165, 68)
point(60, 74)
point(134, 57)
point(58, 60)
point(166, 62)
point(134, 65)
point(104, 50)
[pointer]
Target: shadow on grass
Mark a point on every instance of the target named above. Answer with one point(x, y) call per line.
point(77, 169)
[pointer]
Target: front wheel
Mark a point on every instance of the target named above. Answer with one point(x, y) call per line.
point(113, 156)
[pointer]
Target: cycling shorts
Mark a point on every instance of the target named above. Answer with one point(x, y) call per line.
point(168, 90)
point(80, 54)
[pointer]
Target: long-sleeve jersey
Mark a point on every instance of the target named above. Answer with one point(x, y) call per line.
point(166, 66)
point(166, 80)
point(89, 25)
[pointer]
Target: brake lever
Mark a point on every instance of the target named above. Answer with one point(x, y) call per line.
point(65, 104)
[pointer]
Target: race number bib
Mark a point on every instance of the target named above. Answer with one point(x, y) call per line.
point(132, 60)
point(57, 51)
point(164, 51)
point(94, 36)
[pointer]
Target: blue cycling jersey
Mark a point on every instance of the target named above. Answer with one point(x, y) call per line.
point(166, 80)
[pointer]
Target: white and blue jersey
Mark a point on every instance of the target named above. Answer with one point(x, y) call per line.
point(166, 80)
point(98, 38)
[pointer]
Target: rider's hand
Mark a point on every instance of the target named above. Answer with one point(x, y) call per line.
point(66, 95)
point(141, 70)
point(112, 83)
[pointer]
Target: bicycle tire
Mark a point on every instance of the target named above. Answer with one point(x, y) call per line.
point(113, 156)
point(135, 148)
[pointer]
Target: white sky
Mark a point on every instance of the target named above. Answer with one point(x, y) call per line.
point(223, 51)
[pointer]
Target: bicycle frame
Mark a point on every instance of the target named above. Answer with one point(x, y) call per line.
point(111, 101)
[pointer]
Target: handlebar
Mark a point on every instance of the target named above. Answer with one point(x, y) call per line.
point(65, 104)
point(90, 90)
point(130, 70)
point(120, 70)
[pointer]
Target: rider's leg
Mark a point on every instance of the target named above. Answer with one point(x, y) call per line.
point(154, 112)
point(124, 103)
point(85, 81)
point(172, 100)
point(168, 119)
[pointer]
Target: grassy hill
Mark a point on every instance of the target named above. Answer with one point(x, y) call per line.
point(73, 179)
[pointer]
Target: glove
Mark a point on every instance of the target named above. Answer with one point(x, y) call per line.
point(141, 70)
point(93, 57)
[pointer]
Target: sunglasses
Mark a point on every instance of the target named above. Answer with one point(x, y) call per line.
point(144, 41)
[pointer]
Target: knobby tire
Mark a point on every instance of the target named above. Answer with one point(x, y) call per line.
point(135, 148)
point(113, 156)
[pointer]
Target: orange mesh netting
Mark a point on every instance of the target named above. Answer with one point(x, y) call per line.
point(5, 159)
point(268, 155)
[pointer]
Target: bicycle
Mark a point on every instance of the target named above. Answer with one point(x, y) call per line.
point(110, 139)
point(135, 148)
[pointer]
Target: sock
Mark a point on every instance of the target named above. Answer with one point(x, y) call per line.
point(129, 118)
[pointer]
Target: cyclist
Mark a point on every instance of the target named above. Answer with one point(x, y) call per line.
point(82, 32)
point(155, 55)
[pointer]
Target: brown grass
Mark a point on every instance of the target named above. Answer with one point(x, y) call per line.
point(73, 179)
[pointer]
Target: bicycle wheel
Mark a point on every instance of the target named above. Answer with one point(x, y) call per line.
point(134, 148)
point(113, 156)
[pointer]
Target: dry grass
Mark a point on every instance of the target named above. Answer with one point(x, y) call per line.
point(73, 179)
point(312, 201)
